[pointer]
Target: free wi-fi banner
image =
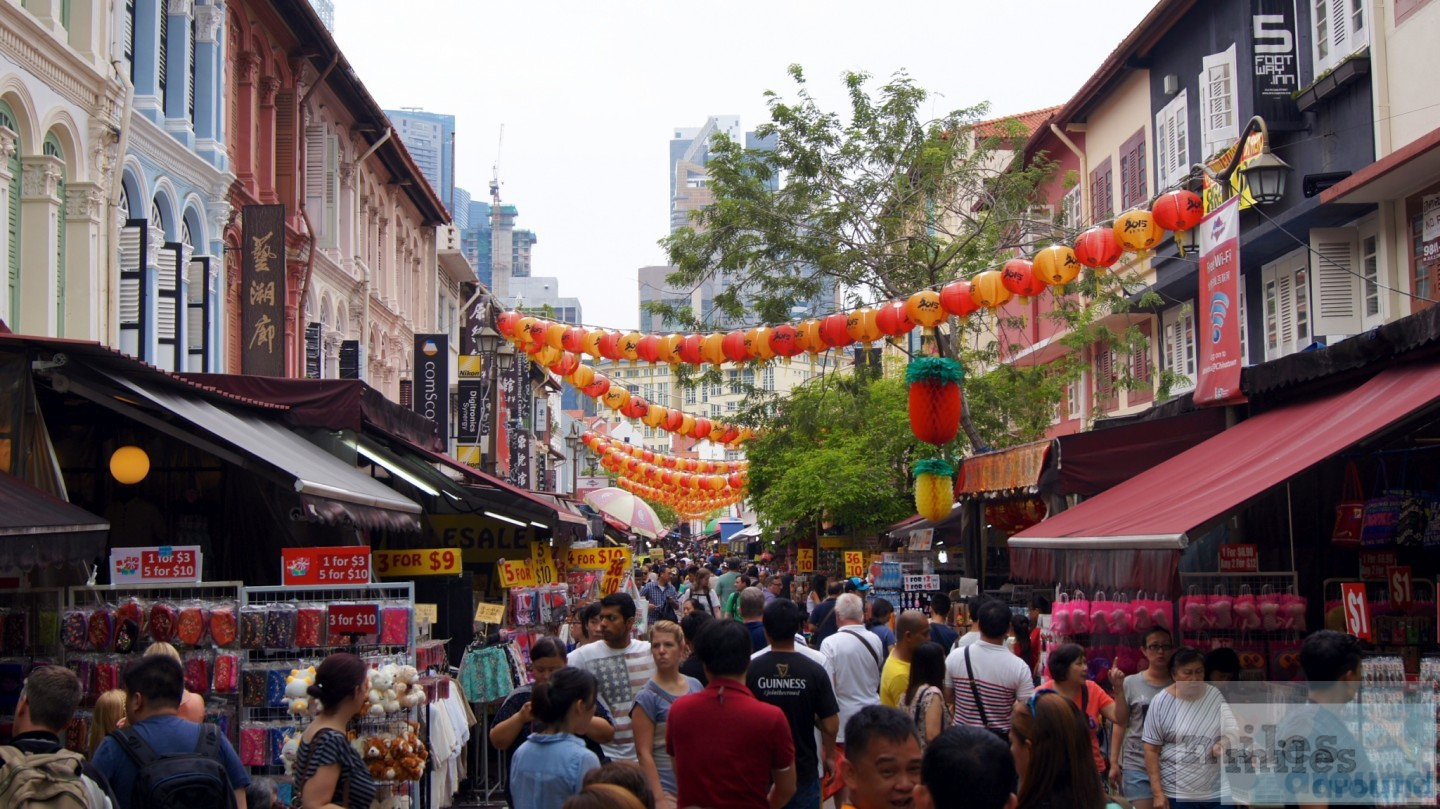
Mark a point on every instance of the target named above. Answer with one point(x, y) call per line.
point(1218, 320)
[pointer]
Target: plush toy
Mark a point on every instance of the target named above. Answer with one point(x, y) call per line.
point(288, 753)
point(297, 687)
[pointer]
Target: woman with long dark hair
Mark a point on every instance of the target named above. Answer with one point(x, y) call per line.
point(924, 697)
point(328, 771)
point(1025, 648)
point(818, 583)
point(1057, 770)
point(551, 765)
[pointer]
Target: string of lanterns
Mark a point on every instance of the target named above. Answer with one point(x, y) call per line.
point(559, 346)
point(691, 486)
point(599, 444)
point(688, 507)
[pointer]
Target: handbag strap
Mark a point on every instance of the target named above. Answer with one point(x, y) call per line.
point(878, 663)
point(1351, 489)
point(974, 690)
point(301, 766)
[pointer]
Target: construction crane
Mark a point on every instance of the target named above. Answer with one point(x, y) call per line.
point(495, 170)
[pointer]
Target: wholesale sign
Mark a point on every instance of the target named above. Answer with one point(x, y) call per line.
point(1218, 321)
point(432, 380)
point(262, 290)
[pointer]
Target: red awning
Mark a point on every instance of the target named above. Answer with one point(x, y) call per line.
point(38, 528)
point(1005, 471)
point(1159, 508)
point(1093, 461)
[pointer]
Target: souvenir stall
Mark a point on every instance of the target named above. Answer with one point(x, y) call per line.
point(286, 631)
point(29, 636)
point(103, 628)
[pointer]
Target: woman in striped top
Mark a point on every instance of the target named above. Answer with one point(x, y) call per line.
point(1186, 732)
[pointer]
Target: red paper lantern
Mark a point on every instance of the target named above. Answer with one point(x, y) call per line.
point(1097, 247)
point(784, 341)
point(610, 345)
point(573, 340)
point(736, 480)
point(1178, 210)
point(893, 320)
point(703, 426)
point(648, 348)
point(566, 365)
point(1056, 265)
point(833, 331)
point(955, 297)
point(674, 420)
point(734, 347)
point(689, 351)
point(538, 329)
point(505, 323)
point(598, 387)
point(1018, 276)
point(635, 408)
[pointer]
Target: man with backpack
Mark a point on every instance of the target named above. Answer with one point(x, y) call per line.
point(37, 771)
point(160, 761)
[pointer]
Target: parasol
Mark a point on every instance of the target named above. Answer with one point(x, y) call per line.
point(628, 509)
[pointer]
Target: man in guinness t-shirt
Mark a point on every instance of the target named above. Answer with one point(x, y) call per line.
point(800, 687)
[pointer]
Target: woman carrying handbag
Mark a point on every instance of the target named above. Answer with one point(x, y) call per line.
point(329, 774)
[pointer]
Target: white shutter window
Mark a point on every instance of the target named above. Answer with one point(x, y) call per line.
point(1218, 126)
point(1179, 345)
point(1339, 28)
point(1244, 328)
point(133, 328)
point(315, 179)
point(1172, 143)
point(1070, 208)
point(1335, 266)
point(200, 293)
point(1289, 317)
point(332, 192)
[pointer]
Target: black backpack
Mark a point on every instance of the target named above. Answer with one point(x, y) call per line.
point(194, 780)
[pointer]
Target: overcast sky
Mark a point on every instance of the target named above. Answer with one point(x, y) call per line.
point(590, 93)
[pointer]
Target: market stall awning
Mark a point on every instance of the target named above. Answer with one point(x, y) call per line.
point(475, 479)
point(330, 490)
point(37, 527)
point(1160, 508)
point(1093, 461)
point(1012, 470)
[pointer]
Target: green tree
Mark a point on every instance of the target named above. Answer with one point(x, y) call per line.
point(838, 449)
point(882, 204)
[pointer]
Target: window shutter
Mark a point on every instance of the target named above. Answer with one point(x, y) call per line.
point(190, 79)
point(1172, 145)
point(1132, 172)
point(1105, 378)
point(198, 313)
point(167, 306)
point(1217, 93)
point(315, 179)
point(1285, 298)
point(285, 148)
point(332, 191)
point(163, 79)
point(1101, 199)
point(134, 327)
point(1335, 267)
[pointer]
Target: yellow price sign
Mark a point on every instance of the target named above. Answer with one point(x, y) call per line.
point(542, 561)
point(515, 574)
point(430, 562)
point(854, 563)
point(489, 613)
point(804, 560)
point(596, 558)
point(427, 613)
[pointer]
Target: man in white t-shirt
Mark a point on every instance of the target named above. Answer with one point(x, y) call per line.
point(856, 657)
point(985, 679)
point(622, 665)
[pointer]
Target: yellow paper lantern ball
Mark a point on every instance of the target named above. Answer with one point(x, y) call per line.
point(924, 308)
point(988, 290)
point(129, 465)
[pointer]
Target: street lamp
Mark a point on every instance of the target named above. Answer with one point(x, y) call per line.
point(572, 441)
point(505, 357)
point(1264, 175)
point(487, 340)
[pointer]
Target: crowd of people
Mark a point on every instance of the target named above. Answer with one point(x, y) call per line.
point(839, 698)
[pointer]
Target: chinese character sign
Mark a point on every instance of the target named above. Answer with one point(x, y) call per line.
point(1218, 321)
point(262, 290)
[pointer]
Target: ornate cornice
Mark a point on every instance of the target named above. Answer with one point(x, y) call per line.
point(269, 86)
point(180, 8)
point(37, 52)
point(151, 142)
point(84, 202)
point(247, 66)
point(8, 139)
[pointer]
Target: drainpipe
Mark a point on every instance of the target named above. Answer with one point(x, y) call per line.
point(305, 283)
point(112, 280)
point(1380, 64)
point(1084, 165)
point(389, 131)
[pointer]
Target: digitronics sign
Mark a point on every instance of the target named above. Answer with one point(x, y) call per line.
point(432, 380)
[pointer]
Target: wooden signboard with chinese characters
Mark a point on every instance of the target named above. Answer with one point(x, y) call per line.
point(262, 290)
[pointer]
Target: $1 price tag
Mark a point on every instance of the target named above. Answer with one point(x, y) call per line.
point(1357, 609)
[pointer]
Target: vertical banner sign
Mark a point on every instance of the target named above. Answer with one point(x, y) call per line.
point(432, 380)
point(262, 290)
point(1357, 609)
point(1429, 230)
point(1218, 320)
point(1276, 65)
point(519, 435)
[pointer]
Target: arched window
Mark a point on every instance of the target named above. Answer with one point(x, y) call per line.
point(157, 220)
point(53, 149)
point(12, 217)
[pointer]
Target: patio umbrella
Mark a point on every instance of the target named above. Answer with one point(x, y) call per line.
point(628, 509)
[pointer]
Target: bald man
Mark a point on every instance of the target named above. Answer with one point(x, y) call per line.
point(912, 628)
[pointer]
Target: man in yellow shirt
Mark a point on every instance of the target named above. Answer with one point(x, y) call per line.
point(911, 630)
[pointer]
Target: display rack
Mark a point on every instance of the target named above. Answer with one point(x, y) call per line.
point(29, 635)
point(1258, 615)
point(266, 721)
point(1406, 633)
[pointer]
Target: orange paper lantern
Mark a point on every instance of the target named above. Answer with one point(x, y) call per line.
point(655, 415)
point(667, 349)
point(616, 397)
point(988, 290)
point(555, 336)
point(757, 343)
point(712, 349)
point(808, 337)
point(630, 345)
point(1137, 230)
point(582, 376)
point(1056, 265)
point(925, 309)
point(590, 343)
